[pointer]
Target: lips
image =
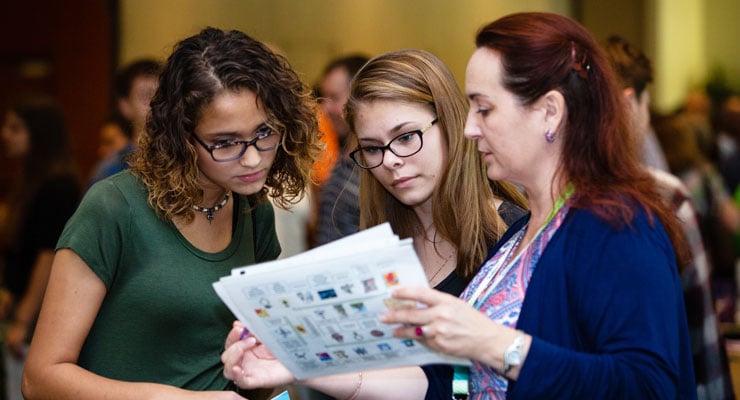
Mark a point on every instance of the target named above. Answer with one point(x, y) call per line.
point(402, 182)
point(253, 177)
point(485, 154)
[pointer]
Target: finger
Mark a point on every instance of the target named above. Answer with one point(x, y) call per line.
point(234, 334)
point(234, 354)
point(408, 316)
point(419, 294)
point(418, 332)
point(230, 358)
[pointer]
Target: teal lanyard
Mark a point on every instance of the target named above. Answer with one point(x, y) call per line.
point(461, 372)
point(460, 380)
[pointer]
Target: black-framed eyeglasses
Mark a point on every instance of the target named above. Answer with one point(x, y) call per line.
point(404, 145)
point(227, 150)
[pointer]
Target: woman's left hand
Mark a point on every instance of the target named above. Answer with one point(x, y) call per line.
point(448, 324)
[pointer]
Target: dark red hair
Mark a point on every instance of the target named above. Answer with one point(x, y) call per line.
point(541, 52)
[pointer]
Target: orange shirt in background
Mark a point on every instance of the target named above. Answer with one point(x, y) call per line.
point(322, 168)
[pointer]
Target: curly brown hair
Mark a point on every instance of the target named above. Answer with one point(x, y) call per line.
point(200, 68)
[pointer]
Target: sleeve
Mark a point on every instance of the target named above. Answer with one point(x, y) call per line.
point(267, 246)
point(627, 316)
point(96, 231)
point(439, 378)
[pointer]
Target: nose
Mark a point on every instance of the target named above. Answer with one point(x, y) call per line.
point(251, 157)
point(471, 131)
point(391, 160)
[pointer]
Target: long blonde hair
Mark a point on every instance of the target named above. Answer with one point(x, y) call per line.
point(463, 212)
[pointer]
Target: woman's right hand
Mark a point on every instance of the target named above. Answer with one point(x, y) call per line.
point(250, 364)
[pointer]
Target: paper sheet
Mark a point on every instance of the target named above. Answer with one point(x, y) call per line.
point(318, 311)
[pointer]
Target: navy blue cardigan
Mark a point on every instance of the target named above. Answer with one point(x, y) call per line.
point(606, 313)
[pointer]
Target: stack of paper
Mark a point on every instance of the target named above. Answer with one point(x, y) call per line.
point(318, 311)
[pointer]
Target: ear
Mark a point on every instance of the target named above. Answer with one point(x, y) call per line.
point(629, 94)
point(553, 104)
point(631, 99)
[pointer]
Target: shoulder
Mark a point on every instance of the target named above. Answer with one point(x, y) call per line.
point(587, 239)
point(111, 191)
point(586, 223)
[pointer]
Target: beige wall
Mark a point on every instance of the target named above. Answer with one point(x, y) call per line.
point(687, 39)
point(680, 54)
point(721, 40)
point(311, 32)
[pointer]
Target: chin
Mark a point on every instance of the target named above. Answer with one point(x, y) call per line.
point(493, 175)
point(248, 189)
point(413, 201)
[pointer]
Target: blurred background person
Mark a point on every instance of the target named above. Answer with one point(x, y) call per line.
point(44, 195)
point(711, 371)
point(635, 72)
point(718, 216)
point(116, 135)
point(697, 111)
point(338, 212)
point(728, 126)
point(135, 84)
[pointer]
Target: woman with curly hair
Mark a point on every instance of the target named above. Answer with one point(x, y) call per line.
point(130, 312)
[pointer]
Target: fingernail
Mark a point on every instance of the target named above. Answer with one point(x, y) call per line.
point(245, 333)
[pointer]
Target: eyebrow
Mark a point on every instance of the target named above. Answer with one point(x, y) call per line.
point(396, 129)
point(473, 96)
point(216, 135)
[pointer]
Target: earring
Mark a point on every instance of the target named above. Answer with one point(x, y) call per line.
point(549, 136)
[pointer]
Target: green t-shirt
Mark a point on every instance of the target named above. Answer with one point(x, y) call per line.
point(161, 321)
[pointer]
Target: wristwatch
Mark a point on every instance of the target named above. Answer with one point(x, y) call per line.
point(513, 354)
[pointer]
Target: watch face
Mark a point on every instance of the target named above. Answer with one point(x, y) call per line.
point(514, 357)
